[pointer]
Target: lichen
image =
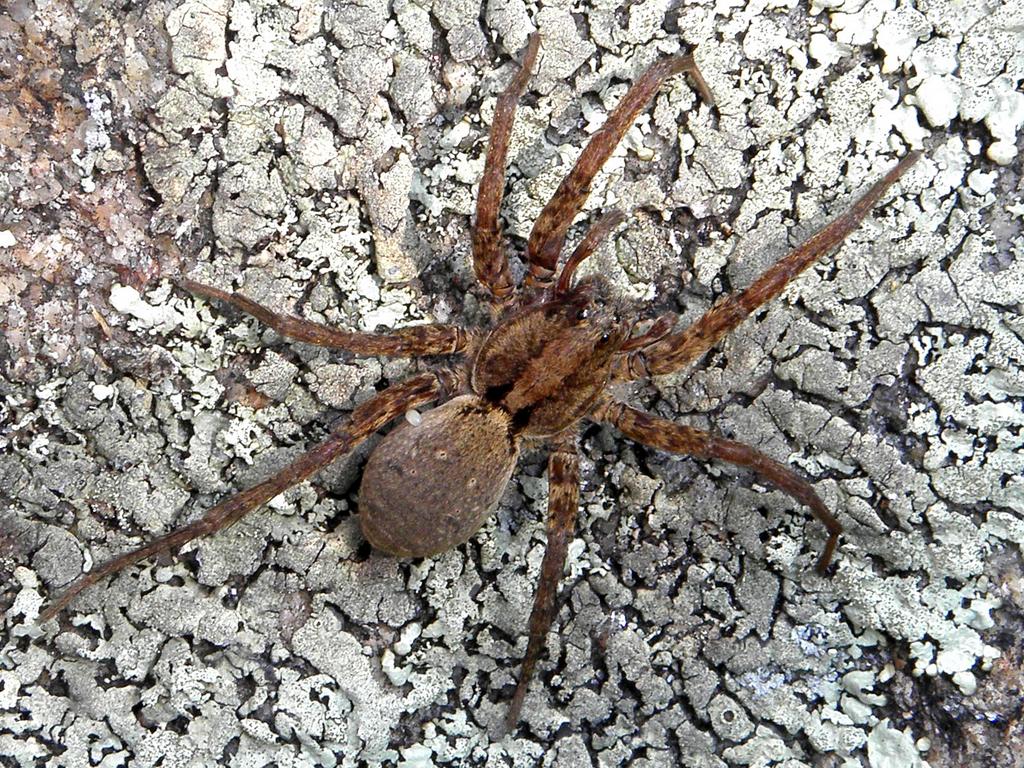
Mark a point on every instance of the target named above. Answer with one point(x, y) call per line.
point(323, 158)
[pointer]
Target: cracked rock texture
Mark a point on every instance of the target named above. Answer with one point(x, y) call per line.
point(322, 157)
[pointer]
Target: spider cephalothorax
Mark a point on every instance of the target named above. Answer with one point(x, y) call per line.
point(546, 365)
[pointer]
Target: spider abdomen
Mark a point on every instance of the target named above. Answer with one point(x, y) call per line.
point(428, 487)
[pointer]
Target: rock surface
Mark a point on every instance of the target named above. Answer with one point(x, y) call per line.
point(323, 157)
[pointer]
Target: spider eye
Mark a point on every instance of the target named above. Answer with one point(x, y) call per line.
point(583, 314)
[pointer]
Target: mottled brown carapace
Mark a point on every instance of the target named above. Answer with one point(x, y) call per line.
point(546, 365)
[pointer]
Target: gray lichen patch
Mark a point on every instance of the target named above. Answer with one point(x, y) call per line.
point(323, 159)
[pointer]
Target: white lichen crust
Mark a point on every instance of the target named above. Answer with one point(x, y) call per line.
point(323, 158)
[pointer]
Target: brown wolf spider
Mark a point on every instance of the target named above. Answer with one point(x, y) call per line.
point(555, 348)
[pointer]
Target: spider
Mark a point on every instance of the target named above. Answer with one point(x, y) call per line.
point(556, 347)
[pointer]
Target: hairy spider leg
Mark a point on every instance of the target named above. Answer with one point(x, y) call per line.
point(413, 341)
point(548, 234)
point(594, 237)
point(661, 433)
point(364, 421)
point(563, 503)
point(490, 262)
point(659, 329)
point(678, 350)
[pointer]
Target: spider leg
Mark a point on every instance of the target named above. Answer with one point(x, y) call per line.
point(490, 263)
point(412, 341)
point(364, 421)
point(563, 501)
point(548, 234)
point(594, 237)
point(677, 438)
point(676, 351)
point(659, 329)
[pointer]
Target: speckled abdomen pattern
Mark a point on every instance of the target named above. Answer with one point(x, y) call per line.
point(429, 486)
